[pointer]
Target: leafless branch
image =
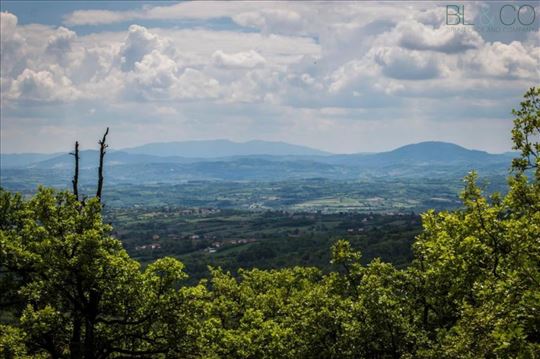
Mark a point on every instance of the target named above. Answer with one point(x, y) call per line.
point(102, 150)
point(75, 180)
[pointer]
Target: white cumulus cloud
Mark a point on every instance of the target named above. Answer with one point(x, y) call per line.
point(139, 42)
point(42, 86)
point(248, 59)
point(416, 36)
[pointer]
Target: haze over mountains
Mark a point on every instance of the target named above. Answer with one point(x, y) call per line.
point(430, 151)
point(224, 160)
point(163, 152)
point(223, 148)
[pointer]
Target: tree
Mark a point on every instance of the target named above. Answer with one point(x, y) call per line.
point(71, 290)
point(526, 132)
point(478, 268)
point(81, 292)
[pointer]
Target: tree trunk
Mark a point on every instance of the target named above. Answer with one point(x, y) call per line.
point(75, 180)
point(75, 346)
point(91, 314)
point(102, 147)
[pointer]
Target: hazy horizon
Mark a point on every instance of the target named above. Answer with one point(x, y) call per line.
point(120, 149)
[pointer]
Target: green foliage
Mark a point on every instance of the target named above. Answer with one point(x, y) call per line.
point(73, 286)
point(69, 289)
point(479, 267)
point(480, 271)
point(12, 343)
point(526, 132)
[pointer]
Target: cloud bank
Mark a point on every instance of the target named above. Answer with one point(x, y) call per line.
point(329, 75)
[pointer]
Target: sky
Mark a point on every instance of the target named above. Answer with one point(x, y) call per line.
point(343, 77)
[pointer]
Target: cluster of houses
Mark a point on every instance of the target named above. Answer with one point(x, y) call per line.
point(218, 244)
point(150, 246)
point(199, 211)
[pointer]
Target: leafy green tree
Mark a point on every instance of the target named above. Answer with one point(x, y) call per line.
point(75, 289)
point(526, 132)
point(478, 269)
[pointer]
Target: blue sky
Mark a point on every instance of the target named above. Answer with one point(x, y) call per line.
point(343, 77)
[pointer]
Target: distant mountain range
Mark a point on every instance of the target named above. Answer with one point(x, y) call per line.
point(223, 148)
point(255, 160)
point(424, 153)
point(18, 160)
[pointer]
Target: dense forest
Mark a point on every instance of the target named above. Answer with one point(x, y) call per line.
point(70, 289)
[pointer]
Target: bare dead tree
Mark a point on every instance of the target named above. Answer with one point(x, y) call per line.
point(75, 180)
point(102, 150)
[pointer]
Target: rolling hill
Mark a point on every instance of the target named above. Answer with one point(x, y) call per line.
point(223, 148)
point(422, 160)
point(423, 154)
point(18, 160)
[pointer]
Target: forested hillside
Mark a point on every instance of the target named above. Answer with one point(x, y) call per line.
point(70, 290)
